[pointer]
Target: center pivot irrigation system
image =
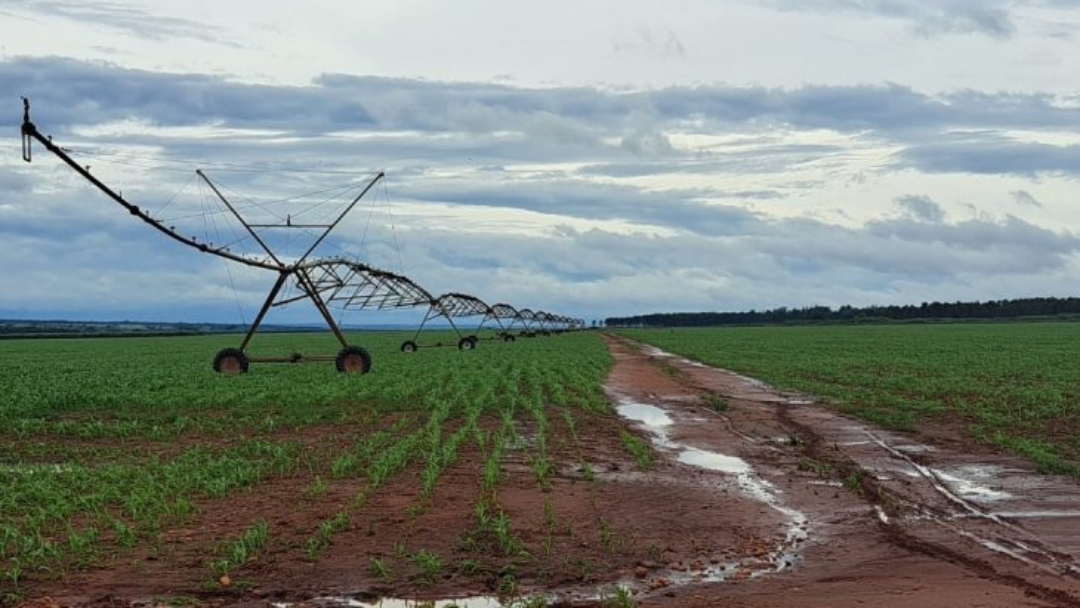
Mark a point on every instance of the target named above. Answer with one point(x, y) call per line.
point(343, 283)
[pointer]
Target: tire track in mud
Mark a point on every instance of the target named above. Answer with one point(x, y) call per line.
point(913, 503)
point(885, 501)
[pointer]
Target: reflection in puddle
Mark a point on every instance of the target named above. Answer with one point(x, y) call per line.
point(649, 415)
point(714, 461)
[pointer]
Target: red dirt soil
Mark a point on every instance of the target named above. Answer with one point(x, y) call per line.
point(801, 507)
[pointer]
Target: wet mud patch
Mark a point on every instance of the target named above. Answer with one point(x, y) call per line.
point(898, 499)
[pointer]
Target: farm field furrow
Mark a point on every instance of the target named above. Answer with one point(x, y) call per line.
point(1014, 386)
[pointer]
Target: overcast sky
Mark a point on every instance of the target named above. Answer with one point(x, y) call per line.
point(590, 158)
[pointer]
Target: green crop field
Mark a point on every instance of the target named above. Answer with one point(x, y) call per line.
point(105, 444)
point(108, 445)
point(1016, 386)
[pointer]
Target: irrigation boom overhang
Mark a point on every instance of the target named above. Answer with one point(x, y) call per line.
point(344, 283)
point(349, 358)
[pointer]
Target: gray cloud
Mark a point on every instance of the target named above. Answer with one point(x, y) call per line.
point(674, 209)
point(749, 261)
point(812, 261)
point(575, 116)
point(1025, 198)
point(991, 154)
point(921, 208)
point(14, 182)
point(615, 134)
point(119, 17)
point(663, 45)
point(927, 17)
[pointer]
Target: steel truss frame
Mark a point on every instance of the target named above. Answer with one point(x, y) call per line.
point(305, 274)
point(452, 306)
point(503, 311)
point(338, 282)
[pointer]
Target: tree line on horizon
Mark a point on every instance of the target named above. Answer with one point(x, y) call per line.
point(929, 311)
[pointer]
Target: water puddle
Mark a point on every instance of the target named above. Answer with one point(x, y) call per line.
point(754, 382)
point(714, 461)
point(1037, 514)
point(967, 488)
point(657, 421)
point(656, 352)
point(916, 448)
point(986, 504)
point(651, 416)
point(970, 482)
point(465, 602)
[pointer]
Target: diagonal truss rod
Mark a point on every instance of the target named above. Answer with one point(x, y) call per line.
point(237, 215)
point(341, 216)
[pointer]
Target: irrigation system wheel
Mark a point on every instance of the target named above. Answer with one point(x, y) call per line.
point(466, 343)
point(508, 338)
point(353, 360)
point(408, 346)
point(231, 361)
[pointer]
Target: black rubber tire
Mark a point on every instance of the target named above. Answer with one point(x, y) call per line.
point(545, 333)
point(466, 344)
point(508, 338)
point(231, 361)
point(408, 346)
point(353, 359)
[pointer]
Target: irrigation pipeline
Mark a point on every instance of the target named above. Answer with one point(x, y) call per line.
point(30, 131)
point(299, 267)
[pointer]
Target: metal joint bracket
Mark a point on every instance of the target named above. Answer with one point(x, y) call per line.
point(27, 129)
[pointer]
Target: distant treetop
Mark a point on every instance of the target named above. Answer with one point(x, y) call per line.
point(994, 309)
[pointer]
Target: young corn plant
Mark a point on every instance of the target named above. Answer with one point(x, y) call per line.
point(430, 565)
point(243, 550)
point(378, 568)
point(639, 449)
point(508, 543)
point(320, 540)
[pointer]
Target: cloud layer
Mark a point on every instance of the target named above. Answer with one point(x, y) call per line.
point(584, 200)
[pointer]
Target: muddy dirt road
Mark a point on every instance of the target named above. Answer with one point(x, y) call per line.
point(861, 517)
